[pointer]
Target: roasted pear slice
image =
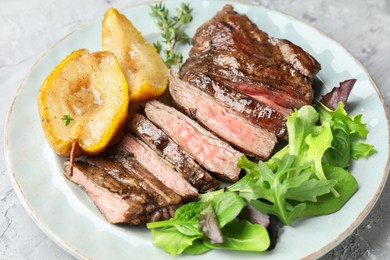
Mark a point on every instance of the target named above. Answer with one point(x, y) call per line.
point(145, 71)
point(83, 103)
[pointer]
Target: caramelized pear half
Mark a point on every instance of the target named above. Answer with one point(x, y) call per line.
point(83, 103)
point(145, 71)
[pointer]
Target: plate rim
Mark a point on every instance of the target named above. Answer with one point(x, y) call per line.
point(64, 245)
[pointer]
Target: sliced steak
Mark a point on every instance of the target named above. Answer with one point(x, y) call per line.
point(172, 153)
point(256, 111)
point(159, 167)
point(207, 149)
point(117, 202)
point(217, 117)
point(233, 51)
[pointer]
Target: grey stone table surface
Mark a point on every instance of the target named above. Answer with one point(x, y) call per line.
point(29, 27)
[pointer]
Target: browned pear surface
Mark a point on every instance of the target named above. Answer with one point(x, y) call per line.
point(84, 100)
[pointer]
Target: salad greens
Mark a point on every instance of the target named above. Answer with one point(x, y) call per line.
point(308, 177)
point(194, 236)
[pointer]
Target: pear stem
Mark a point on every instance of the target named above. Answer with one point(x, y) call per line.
point(72, 156)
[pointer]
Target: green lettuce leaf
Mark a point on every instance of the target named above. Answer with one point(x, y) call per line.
point(362, 150)
point(243, 236)
point(164, 238)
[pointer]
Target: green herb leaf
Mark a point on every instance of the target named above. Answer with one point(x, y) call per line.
point(67, 118)
point(171, 31)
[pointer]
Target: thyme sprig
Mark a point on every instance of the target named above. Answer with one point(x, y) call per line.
point(172, 32)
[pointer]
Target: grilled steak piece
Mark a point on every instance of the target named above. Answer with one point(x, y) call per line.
point(257, 112)
point(207, 149)
point(231, 50)
point(119, 203)
point(159, 167)
point(172, 153)
point(217, 117)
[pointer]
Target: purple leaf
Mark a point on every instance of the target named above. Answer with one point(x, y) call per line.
point(209, 225)
point(254, 216)
point(338, 94)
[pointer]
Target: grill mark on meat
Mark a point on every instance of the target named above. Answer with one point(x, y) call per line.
point(117, 202)
point(159, 167)
point(226, 123)
point(207, 149)
point(173, 154)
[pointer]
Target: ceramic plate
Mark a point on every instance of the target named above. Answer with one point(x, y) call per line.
point(66, 214)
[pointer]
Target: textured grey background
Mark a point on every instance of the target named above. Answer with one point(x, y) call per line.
point(29, 27)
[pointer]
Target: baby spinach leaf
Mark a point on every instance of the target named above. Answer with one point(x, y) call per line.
point(197, 248)
point(164, 238)
point(340, 152)
point(227, 206)
point(243, 236)
point(346, 185)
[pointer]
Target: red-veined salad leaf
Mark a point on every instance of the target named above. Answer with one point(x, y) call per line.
point(337, 94)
